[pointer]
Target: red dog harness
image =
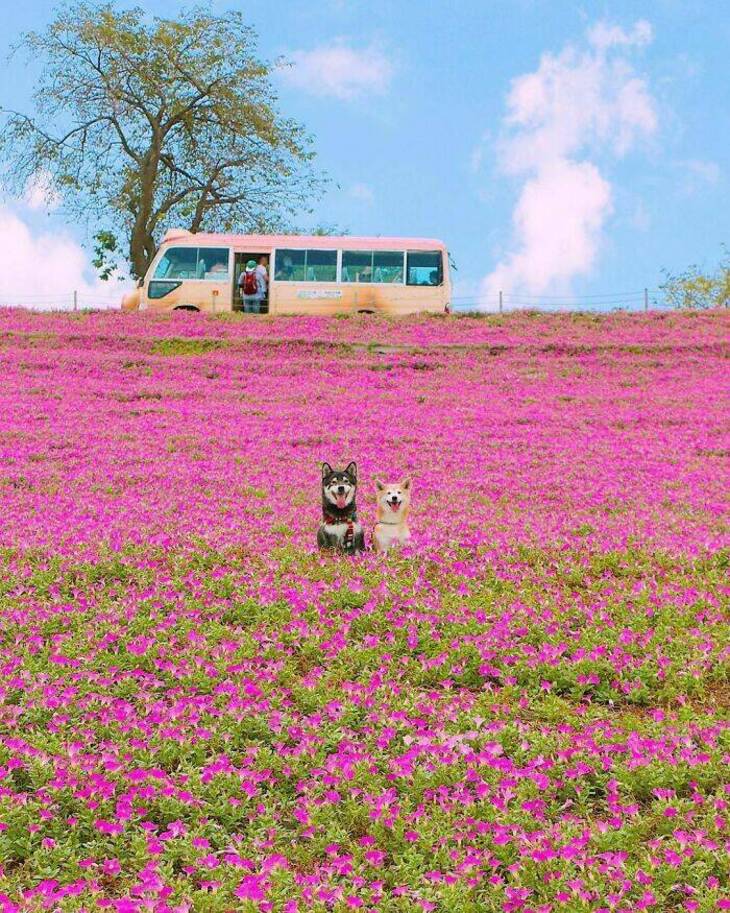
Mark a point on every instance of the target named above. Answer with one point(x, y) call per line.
point(350, 534)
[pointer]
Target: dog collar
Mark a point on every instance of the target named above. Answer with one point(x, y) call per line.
point(385, 523)
point(328, 518)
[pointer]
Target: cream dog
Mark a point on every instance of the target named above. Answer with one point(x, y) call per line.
point(391, 521)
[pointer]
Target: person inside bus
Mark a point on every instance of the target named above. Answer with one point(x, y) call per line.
point(285, 269)
point(204, 270)
point(220, 267)
point(263, 276)
point(252, 291)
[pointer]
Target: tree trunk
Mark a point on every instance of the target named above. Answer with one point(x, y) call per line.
point(142, 249)
point(142, 243)
point(197, 221)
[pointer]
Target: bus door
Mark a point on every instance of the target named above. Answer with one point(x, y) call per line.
point(239, 267)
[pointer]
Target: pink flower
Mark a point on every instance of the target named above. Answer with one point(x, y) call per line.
point(111, 867)
point(108, 827)
point(251, 888)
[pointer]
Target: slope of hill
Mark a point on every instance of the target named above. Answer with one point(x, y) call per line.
point(527, 710)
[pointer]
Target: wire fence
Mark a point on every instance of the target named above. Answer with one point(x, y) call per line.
point(63, 301)
point(500, 302)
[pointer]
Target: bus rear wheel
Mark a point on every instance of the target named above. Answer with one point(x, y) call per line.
point(187, 307)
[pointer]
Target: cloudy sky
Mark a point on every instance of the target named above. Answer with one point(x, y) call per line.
point(559, 148)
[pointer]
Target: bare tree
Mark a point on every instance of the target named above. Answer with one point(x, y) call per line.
point(140, 124)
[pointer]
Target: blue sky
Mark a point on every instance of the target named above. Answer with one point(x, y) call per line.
point(558, 148)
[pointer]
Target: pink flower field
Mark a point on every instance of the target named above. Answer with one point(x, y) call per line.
point(528, 709)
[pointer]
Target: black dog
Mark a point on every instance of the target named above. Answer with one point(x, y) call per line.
point(340, 528)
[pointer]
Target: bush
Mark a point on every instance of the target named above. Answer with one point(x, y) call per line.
point(693, 289)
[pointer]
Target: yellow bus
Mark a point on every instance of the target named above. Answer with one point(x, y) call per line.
point(306, 275)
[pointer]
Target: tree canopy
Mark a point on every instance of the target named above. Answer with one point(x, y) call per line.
point(697, 288)
point(140, 124)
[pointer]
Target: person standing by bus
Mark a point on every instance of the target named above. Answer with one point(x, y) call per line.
point(252, 291)
point(263, 276)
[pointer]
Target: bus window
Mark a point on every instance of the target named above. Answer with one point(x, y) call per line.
point(306, 265)
point(388, 266)
point(424, 268)
point(177, 263)
point(212, 263)
point(357, 266)
point(193, 263)
point(290, 265)
point(321, 265)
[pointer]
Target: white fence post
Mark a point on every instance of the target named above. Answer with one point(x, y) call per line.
point(646, 299)
point(500, 302)
point(76, 300)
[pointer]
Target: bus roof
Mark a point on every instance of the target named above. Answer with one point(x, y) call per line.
point(266, 243)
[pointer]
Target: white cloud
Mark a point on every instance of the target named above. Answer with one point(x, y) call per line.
point(363, 193)
point(40, 193)
point(697, 176)
point(340, 71)
point(558, 219)
point(705, 171)
point(43, 269)
point(603, 35)
point(574, 106)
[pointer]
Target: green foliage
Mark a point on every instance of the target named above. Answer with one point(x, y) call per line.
point(696, 289)
point(176, 346)
point(323, 231)
point(104, 249)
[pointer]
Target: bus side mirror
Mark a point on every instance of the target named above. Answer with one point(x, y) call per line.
point(140, 283)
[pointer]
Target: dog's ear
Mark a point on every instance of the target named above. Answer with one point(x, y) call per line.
point(406, 484)
point(326, 470)
point(352, 470)
point(380, 486)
